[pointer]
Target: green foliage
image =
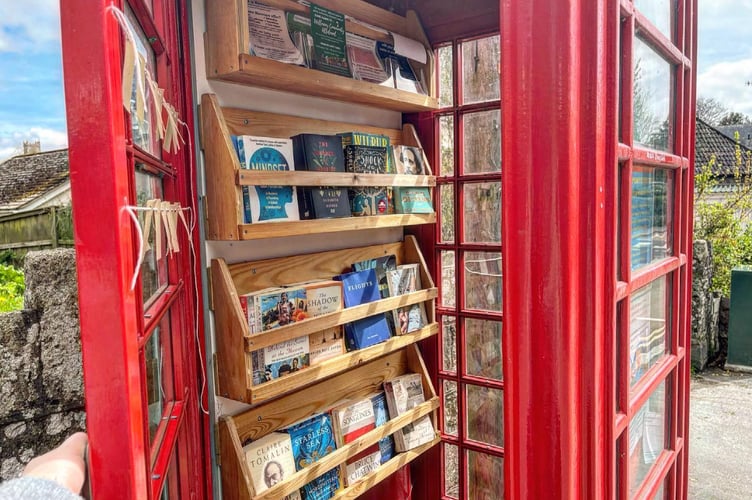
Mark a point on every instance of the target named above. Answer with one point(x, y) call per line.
point(725, 222)
point(11, 288)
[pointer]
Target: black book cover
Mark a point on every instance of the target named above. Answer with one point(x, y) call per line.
point(321, 153)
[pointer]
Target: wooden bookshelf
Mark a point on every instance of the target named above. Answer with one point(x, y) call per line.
point(224, 177)
point(362, 380)
point(228, 58)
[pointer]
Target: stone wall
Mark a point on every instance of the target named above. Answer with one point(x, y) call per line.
point(41, 383)
point(708, 347)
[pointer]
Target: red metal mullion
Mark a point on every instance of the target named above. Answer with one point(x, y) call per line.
point(144, 16)
point(627, 80)
point(678, 101)
point(623, 372)
point(648, 383)
point(158, 308)
point(657, 475)
point(649, 273)
point(625, 206)
point(623, 473)
point(162, 463)
point(478, 107)
point(657, 40)
point(150, 162)
point(653, 158)
point(480, 447)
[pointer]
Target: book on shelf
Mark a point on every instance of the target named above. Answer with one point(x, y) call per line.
point(404, 393)
point(270, 460)
point(267, 203)
point(281, 359)
point(280, 307)
point(249, 304)
point(406, 279)
point(351, 420)
point(329, 46)
point(324, 297)
point(358, 138)
point(320, 153)
point(360, 288)
point(380, 265)
point(381, 413)
point(268, 35)
point(326, 344)
point(312, 439)
point(365, 63)
point(412, 200)
point(361, 159)
point(408, 160)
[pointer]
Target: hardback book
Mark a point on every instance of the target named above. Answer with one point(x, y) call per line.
point(368, 200)
point(313, 438)
point(406, 279)
point(408, 160)
point(412, 200)
point(267, 203)
point(381, 265)
point(351, 420)
point(404, 393)
point(359, 287)
point(361, 159)
point(280, 359)
point(381, 412)
point(329, 46)
point(270, 460)
point(356, 138)
point(280, 307)
point(366, 332)
point(321, 153)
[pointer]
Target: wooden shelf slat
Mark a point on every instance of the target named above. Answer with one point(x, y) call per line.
point(298, 178)
point(269, 390)
point(316, 226)
point(347, 315)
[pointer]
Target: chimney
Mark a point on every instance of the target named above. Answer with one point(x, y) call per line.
point(30, 148)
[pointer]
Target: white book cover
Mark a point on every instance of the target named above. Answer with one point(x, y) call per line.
point(270, 460)
point(403, 394)
point(406, 279)
point(357, 470)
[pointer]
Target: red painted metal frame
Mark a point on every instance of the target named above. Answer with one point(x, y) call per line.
point(556, 290)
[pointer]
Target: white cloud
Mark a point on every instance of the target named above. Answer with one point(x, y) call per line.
point(29, 26)
point(727, 82)
point(50, 139)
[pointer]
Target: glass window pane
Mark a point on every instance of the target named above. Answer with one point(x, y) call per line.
point(482, 274)
point(144, 134)
point(480, 70)
point(446, 202)
point(450, 410)
point(449, 343)
point(446, 145)
point(661, 493)
point(658, 12)
point(159, 383)
point(448, 292)
point(481, 206)
point(652, 98)
point(652, 202)
point(483, 348)
point(485, 479)
point(647, 437)
point(154, 269)
point(485, 414)
point(482, 142)
point(451, 471)
point(446, 77)
point(647, 327)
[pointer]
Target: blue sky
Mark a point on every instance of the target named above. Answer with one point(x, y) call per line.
point(32, 105)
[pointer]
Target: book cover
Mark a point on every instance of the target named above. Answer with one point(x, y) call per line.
point(359, 287)
point(380, 265)
point(267, 203)
point(404, 393)
point(323, 202)
point(326, 344)
point(412, 200)
point(280, 359)
point(281, 307)
point(381, 413)
point(406, 279)
point(250, 307)
point(408, 160)
point(313, 438)
point(366, 332)
point(361, 465)
point(352, 419)
point(365, 201)
point(323, 297)
point(323, 487)
point(360, 159)
point(270, 460)
point(329, 45)
point(320, 153)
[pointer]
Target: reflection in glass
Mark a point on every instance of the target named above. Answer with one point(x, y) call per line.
point(483, 348)
point(485, 414)
point(652, 98)
point(652, 200)
point(647, 327)
point(451, 471)
point(449, 342)
point(446, 197)
point(658, 12)
point(446, 77)
point(143, 131)
point(153, 270)
point(647, 437)
point(159, 390)
point(482, 274)
point(482, 209)
point(485, 476)
point(482, 142)
point(446, 145)
point(448, 293)
point(480, 70)
point(661, 493)
point(450, 407)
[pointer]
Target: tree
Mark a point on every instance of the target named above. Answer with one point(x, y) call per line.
point(734, 118)
point(711, 110)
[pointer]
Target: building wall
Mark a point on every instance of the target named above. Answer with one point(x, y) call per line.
point(41, 383)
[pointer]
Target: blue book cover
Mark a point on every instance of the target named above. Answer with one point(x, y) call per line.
point(366, 332)
point(312, 439)
point(412, 200)
point(380, 409)
point(359, 287)
point(323, 487)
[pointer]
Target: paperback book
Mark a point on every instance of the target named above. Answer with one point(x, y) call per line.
point(403, 394)
point(267, 203)
point(362, 159)
point(270, 460)
point(320, 153)
point(299, 28)
point(280, 359)
point(406, 279)
point(408, 160)
point(398, 66)
point(351, 420)
point(381, 413)
point(380, 265)
point(326, 344)
point(280, 307)
point(324, 297)
point(312, 439)
point(412, 200)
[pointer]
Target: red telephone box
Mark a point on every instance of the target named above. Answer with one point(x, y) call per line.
point(560, 247)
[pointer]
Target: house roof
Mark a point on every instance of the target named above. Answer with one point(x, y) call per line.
point(24, 178)
point(745, 132)
point(709, 142)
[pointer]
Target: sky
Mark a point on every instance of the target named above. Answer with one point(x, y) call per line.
point(32, 105)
